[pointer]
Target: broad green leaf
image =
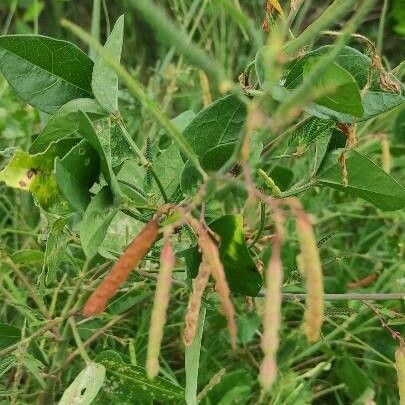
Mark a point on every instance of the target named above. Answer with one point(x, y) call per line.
point(219, 123)
point(365, 180)
point(56, 128)
point(76, 172)
point(55, 252)
point(9, 335)
point(45, 72)
point(105, 80)
point(341, 92)
point(96, 220)
point(375, 100)
point(28, 257)
point(282, 176)
point(240, 270)
point(101, 143)
point(85, 386)
point(35, 173)
point(128, 384)
point(124, 301)
point(168, 166)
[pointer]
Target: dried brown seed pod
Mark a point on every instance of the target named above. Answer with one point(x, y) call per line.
point(400, 366)
point(211, 255)
point(119, 273)
point(271, 316)
point(160, 304)
point(309, 264)
point(194, 303)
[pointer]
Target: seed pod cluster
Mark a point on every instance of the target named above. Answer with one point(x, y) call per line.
point(309, 264)
point(120, 271)
point(400, 366)
point(160, 304)
point(210, 254)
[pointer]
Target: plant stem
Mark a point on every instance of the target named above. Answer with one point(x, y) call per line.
point(145, 162)
point(192, 361)
point(381, 26)
point(95, 25)
point(137, 91)
point(78, 341)
point(347, 297)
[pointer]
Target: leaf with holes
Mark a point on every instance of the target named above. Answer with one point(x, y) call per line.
point(85, 386)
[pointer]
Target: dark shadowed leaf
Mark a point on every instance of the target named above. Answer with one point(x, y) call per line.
point(241, 272)
point(45, 72)
point(9, 335)
point(76, 172)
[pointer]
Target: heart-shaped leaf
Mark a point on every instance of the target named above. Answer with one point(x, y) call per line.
point(45, 72)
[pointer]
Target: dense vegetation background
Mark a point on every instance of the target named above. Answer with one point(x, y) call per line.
point(362, 247)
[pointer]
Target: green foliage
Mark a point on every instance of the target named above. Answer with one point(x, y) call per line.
point(101, 147)
point(45, 72)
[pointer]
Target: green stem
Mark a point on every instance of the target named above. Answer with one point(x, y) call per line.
point(262, 222)
point(192, 362)
point(381, 25)
point(78, 341)
point(137, 91)
point(145, 162)
point(95, 25)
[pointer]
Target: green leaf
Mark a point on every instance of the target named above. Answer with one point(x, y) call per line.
point(88, 132)
point(96, 220)
point(57, 127)
point(9, 335)
point(128, 384)
point(240, 270)
point(45, 72)
point(219, 123)
point(341, 91)
point(85, 386)
point(105, 80)
point(76, 172)
point(168, 166)
point(365, 180)
point(312, 130)
point(399, 128)
point(55, 252)
point(35, 173)
point(375, 100)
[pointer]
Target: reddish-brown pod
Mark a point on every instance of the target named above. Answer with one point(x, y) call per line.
point(121, 270)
